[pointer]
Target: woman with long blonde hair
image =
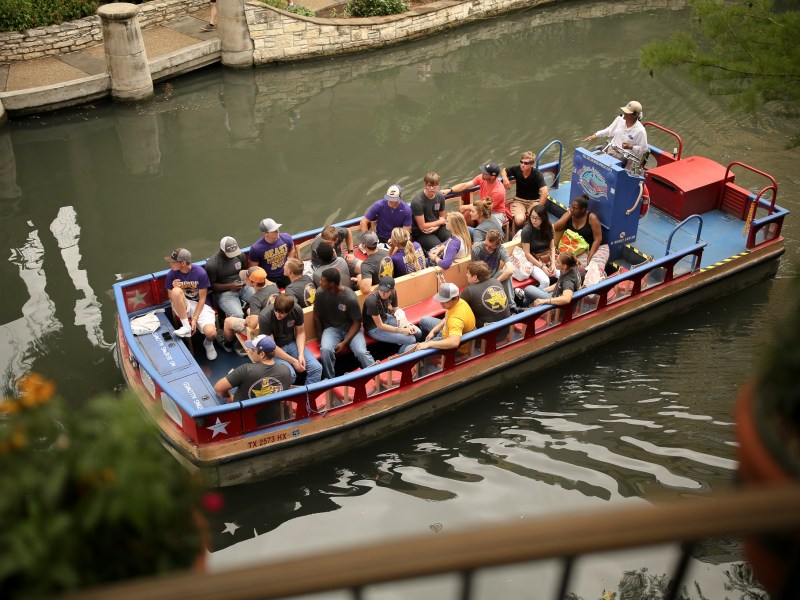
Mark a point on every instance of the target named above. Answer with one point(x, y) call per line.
point(458, 246)
point(482, 215)
point(407, 256)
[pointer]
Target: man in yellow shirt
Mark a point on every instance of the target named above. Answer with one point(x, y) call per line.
point(458, 320)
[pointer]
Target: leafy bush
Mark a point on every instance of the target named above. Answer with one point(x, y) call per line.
point(376, 8)
point(16, 15)
point(294, 8)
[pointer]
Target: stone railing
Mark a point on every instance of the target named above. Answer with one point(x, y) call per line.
point(76, 35)
point(282, 36)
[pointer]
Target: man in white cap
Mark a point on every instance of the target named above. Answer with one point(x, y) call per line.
point(262, 377)
point(227, 287)
point(187, 288)
point(458, 320)
point(389, 212)
point(626, 131)
point(271, 251)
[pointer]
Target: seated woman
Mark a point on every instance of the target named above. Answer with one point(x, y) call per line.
point(458, 246)
point(536, 240)
point(585, 223)
point(379, 320)
point(482, 215)
point(560, 293)
point(407, 256)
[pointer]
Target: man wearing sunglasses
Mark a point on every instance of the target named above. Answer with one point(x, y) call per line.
point(530, 185)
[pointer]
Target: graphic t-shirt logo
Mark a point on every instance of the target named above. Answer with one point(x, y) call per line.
point(264, 387)
point(309, 293)
point(386, 267)
point(494, 298)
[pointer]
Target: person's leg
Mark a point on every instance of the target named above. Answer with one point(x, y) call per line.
point(330, 337)
point(288, 364)
point(518, 209)
point(442, 234)
point(427, 241)
point(391, 337)
point(427, 324)
point(205, 324)
point(542, 278)
point(358, 346)
point(230, 303)
point(246, 293)
point(212, 18)
point(313, 367)
point(532, 293)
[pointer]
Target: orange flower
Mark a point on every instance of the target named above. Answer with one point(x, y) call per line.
point(35, 389)
point(9, 406)
point(18, 439)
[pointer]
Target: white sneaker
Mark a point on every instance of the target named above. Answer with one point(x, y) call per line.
point(184, 331)
point(211, 352)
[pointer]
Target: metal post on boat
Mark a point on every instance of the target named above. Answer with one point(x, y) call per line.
point(234, 34)
point(126, 59)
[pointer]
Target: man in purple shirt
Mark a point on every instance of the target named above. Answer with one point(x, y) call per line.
point(390, 212)
point(271, 251)
point(187, 288)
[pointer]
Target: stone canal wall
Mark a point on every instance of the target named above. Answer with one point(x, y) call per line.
point(77, 35)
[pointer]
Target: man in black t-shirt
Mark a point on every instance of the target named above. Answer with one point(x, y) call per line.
point(341, 240)
point(301, 286)
point(428, 223)
point(284, 321)
point(377, 264)
point(485, 296)
point(530, 184)
point(227, 288)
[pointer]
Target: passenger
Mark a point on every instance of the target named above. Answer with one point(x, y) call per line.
point(284, 322)
point(187, 288)
point(490, 187)
point(493, 253)
point(407, 256)
point(271, 251)
point(379, 320)
point(376, 265)
point(341, 240)
point(458, 246)
point(302, 286)
point(585, 223)
point(337, 320)
point(264, 294)
point(560, 293)
point(328, 259)
point(531, 188)
point(428, 214)
point(262, 377)
point(458, 321)
point(484, 218)
point(537, 241)
point(389, 212)
point(227, 287)
point(626, 131)
point(485, 295)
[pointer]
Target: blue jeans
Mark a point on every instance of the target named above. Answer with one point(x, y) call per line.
point(313, 367)
point(358, 346)
point(231, 302)
point(392, 337)
point(427, 324)
point(533, 292)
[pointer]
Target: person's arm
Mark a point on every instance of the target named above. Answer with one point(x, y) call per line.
point(639, 145)
point(508, 268)
point(283, 355)
point(448, 343)
point(364, 224)
point(435, 330)
point(597, 232)
point(560, 227)
point(543, 193)
point(562, 300)
point(317, 322)
point(351, 333)
point(292, 253)
point(300, 342)
point(451, 248)
point(251, 321)
point(202, 293)
point(459, 187)
point(223, 388)
point(504, 179)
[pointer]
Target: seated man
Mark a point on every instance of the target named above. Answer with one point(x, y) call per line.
point(341, 240)
point(626, 131)
point(490, 187)
point(271, 251)
point(302, 286)
point(262, 377)
point(485, 295)
point(530, 185)
point(428, 224)
point(379, 320)
point(377, 264)
point(264, 294)
point(187, 288)
point(284, 321)
point(390, 212)
point(337, 320)
point(458, 320)
point(493, 253)
point(328, 260)
point(227, 287)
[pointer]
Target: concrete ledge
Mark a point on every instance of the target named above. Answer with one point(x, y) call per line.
point(185, 60)
point(59, 95)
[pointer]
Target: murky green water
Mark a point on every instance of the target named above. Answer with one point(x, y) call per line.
point(103, 192)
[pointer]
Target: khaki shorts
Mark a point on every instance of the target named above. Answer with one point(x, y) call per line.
point(519, 207)
point(237, 324)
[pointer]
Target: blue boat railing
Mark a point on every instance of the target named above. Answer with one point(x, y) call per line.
point(551, 167)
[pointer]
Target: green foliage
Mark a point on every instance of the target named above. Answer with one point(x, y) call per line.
point(294, 8)
point(744, 48)
point(89, 495)
point(16, 15)
point(376, 8)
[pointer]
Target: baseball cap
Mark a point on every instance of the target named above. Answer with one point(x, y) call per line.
point(394, 193)
point(491, 168)
point(632, 107)
point(229, 246)
point(386, 284)
point(180, 255)
point(269, 225)
point(447, 292)
point(256, 274)
point(370, 240)
point(261, 342)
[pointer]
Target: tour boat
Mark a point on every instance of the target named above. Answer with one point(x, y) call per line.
point(703, 236)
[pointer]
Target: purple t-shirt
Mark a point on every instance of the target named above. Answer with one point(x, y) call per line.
point(192, 282)
point(399, 260)
point(388, 218)
point(272, 257)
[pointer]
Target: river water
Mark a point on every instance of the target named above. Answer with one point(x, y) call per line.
point(103, 192)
